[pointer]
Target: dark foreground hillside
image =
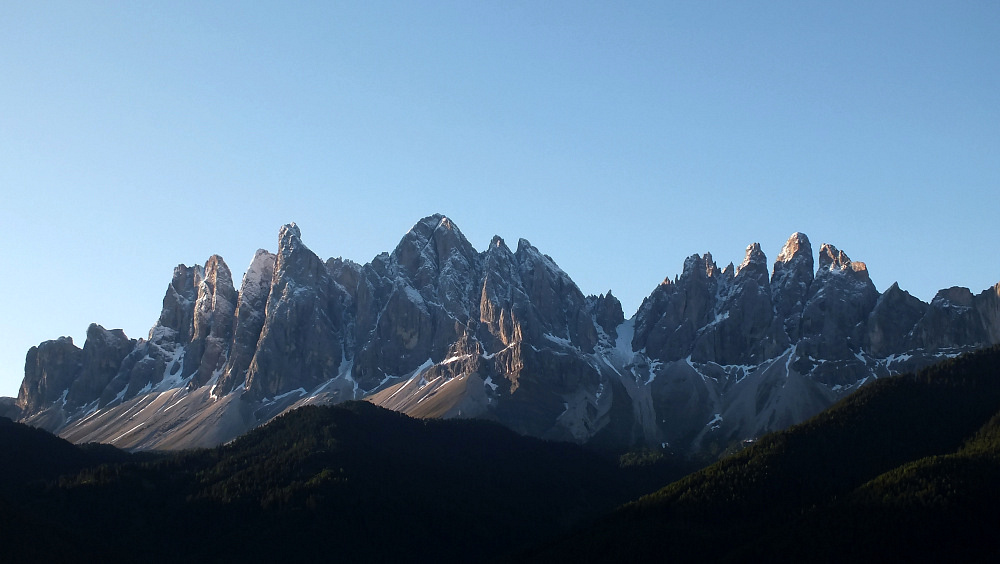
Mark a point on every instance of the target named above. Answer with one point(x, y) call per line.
point(907, 469)
point(348, 483)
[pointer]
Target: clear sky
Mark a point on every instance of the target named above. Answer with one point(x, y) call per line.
point(617, 139)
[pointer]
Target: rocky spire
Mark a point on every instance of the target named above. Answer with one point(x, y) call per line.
point(754, 265)
point(669, 319)
point(839, 302)
point(742, 316)
point(834, 261)
point(101, 360)
point(216, 302)
point(213, 322)
point(249, 319)
point(608, 313)
point(790, 281)
point(302, 342)
point(555, 304)
point(177, 314)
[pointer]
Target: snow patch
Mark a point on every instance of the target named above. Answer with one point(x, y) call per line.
point(300, 391)
point(559, 340)
point(716, 422)
point(623, 344)
point(489, 382)
point(455, 358)
point(491, 355)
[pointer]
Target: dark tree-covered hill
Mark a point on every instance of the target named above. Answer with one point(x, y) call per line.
point(906, 469)
point(354, 482)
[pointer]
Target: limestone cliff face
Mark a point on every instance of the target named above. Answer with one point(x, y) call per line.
point(726, 356)
point(49, 370)
point(438, 329)
point(743, 315)
point(213, 322)
point(301, 343)
point(791, 278)
point(190, 342)
point(415, 303)
point(891, 322)
point(59, 372)
point(100, 361)
point(249, 320)
point(668, 321)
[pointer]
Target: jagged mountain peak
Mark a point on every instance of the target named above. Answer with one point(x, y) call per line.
point(529, 258)
point(432, 227)
point(289, 230)
point(430, 246)
point(97, 332)
point(289, 239)
point(754, 260)
point(498, 243)
point(797, 246)
point(262, 260)
point(833, 260)
point(791, 279)
point(216, 300)
point(295, 262)
point(954, 296)
point(700, 266)
point(431, 222)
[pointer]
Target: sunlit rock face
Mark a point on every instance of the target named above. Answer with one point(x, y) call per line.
point(435, 328)
point(190, 342)
point(249, 320)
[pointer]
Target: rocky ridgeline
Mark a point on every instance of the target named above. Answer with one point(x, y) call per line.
point(437, 329)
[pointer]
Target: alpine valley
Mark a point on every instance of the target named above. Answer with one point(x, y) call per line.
point(435, 329)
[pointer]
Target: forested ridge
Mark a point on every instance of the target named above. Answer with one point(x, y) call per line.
point(353, 482)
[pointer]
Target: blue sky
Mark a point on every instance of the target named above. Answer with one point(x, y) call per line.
point(618, 139)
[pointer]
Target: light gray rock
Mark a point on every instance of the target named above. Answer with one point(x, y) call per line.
point(302, 342)
point(250, 315)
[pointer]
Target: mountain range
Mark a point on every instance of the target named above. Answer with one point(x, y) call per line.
point(435, 329)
